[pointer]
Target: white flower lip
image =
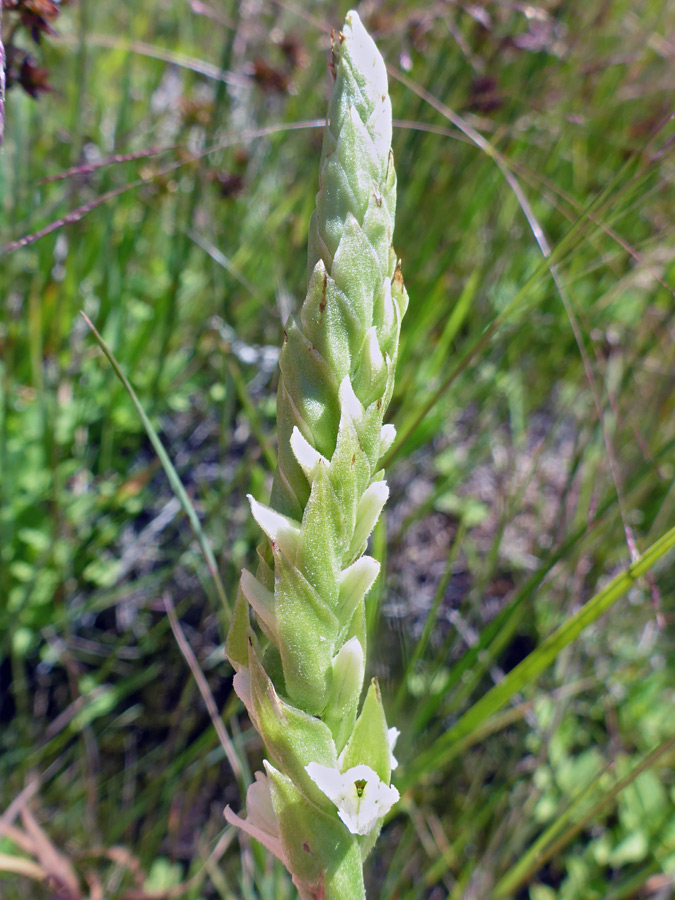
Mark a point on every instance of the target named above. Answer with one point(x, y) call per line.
point(361, 798)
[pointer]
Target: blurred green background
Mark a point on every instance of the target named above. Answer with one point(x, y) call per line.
point(164, 174)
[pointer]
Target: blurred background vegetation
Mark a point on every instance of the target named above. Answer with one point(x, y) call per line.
point(161, 160)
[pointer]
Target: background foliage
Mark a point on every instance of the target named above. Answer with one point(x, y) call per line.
point(534, 406)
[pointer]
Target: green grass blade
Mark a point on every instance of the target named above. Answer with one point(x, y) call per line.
point(463, 733)
point(171, 473)
point(430, 624)
point(555, 837)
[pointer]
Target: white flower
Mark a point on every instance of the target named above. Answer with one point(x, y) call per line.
point(361, 798)
point(261, 821)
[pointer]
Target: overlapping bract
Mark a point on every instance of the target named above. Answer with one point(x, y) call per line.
point(302, 690)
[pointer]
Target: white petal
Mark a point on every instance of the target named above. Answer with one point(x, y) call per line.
point(262, 602)
point(390, 309)
point(387, 436)
point(306, 455)
point(259, 807)
point(261, 821)
point(366, 56)
point(349, 402)
point(327, 779)
point(371, 349)
point(355, 582)
point(348, 671)
point(281, 530)
point(367, 513)
point(393, 735)
point(242, 687)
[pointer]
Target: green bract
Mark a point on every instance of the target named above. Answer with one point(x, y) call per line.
point(319, 807)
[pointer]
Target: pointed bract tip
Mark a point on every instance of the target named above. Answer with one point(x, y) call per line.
point(358, 46)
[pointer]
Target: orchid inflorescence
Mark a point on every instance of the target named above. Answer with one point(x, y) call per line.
point(320, 803)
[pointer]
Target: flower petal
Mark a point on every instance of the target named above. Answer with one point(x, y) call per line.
point(261, 820)
point(393, 734)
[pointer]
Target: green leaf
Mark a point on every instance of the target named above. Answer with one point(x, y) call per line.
point(163, 875)
point(321, 550)
point(307, 632)
point(170, 471)
point(369, 742)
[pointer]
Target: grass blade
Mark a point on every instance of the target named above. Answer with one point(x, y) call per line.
point(170, 471)
point(555, 839)
point(463, 733)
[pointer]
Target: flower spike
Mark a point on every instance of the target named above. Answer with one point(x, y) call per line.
point(326, 788)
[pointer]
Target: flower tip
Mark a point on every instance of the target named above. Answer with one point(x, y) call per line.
point(363, 53)
point(352, 20)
